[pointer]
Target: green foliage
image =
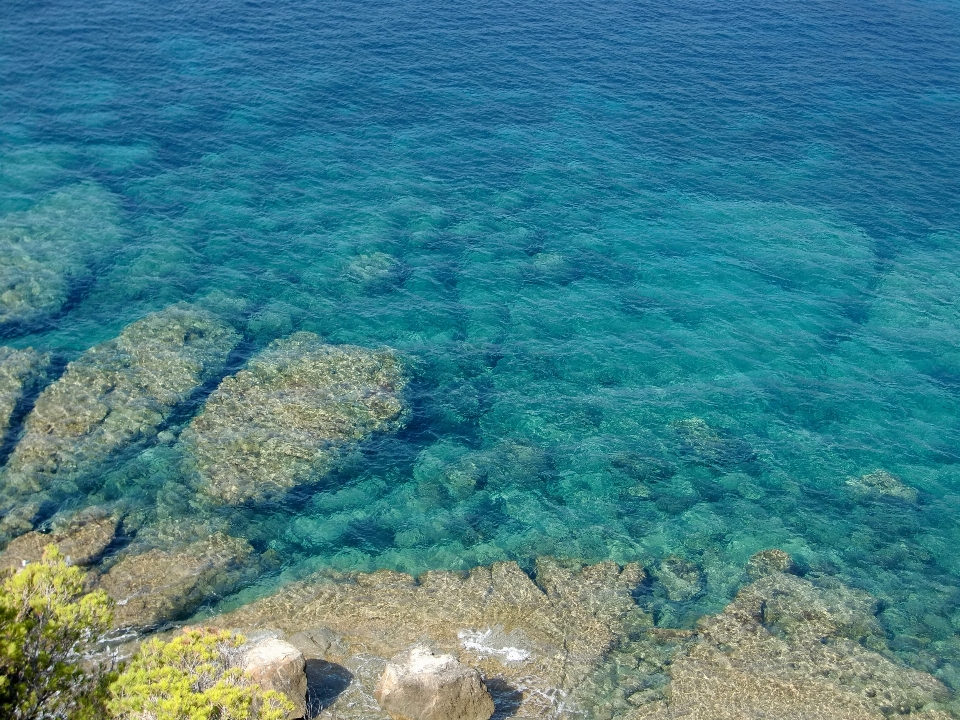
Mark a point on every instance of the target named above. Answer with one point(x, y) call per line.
point(47, 623)
point(195, 676)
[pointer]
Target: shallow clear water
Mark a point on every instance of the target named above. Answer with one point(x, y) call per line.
point(669, 274)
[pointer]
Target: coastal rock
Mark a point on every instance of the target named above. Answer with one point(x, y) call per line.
point(48, 253)
point(882, 483)
point(545, 635)
point(161, 585)
point(787, 648)
point(20, 372)
point(277, 665)
point(768, 562)
point(118, 394)
point(420, 685)
point(680, 578)
point(81, 541)
point(284, 419)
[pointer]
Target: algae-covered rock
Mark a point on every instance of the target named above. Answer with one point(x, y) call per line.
point(48, 253)
point(20, 371)
point(789, 649)
point(285, 417)
point(160, 585)
point(545, 635)
point(881, 482)
point(81, 541)
point(117, 394)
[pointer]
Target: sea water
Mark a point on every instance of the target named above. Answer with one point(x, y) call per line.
point(668, 278)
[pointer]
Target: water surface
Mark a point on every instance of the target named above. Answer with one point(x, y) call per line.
point(667, 275)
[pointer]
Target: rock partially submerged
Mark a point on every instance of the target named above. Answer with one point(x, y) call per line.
point(48, 253)
point(20, 372)
point(81, 541)
point(283, 419)
point(787, 648)
point(118, 394)
point(545, 635)
point(160, 585)
point(418, 684)
point(277, 665)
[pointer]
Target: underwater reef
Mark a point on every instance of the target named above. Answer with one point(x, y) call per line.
point(20, 373)
point(117, 394)
point(51, 251)
point(283, 419)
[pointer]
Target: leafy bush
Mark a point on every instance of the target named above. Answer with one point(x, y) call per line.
point(195, 676)
point(47, 624)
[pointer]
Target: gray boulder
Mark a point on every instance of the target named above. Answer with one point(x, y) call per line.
point(419, 685)
point(277, 665)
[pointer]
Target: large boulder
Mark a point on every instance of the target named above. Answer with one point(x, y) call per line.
point(277, 665)
point(420, 685)
point(118, 394)
point(790, 649)
point(158, 585)
point(20, 372)
point(81, 541)
point(284, 418)
point(50, 252)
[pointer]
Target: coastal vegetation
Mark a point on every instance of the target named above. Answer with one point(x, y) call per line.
point(48, 625)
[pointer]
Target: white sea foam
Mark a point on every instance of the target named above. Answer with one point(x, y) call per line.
point(483, 643)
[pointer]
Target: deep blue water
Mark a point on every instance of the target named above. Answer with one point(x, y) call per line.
point(610, 230)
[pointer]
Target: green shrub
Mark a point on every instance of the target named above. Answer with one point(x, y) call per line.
point(195, 676)
point(47, 624)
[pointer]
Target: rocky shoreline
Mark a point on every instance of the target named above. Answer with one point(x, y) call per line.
point(568, 640)
point(562, 639)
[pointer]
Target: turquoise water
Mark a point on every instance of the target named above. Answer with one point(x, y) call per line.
point(666, 276)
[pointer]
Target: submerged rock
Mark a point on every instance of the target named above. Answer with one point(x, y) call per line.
point(546, 634)
point(117, 394)
point(161, 585)
point(376, 271)
point(881, 482)
point(48, 253)
point(81, 541)
point(277, 665)
point(284, 418)
point(418, 684)
point(680, 578)
point(768, 562)
point(786, 648)
point(20, 372)
point(702, 444)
